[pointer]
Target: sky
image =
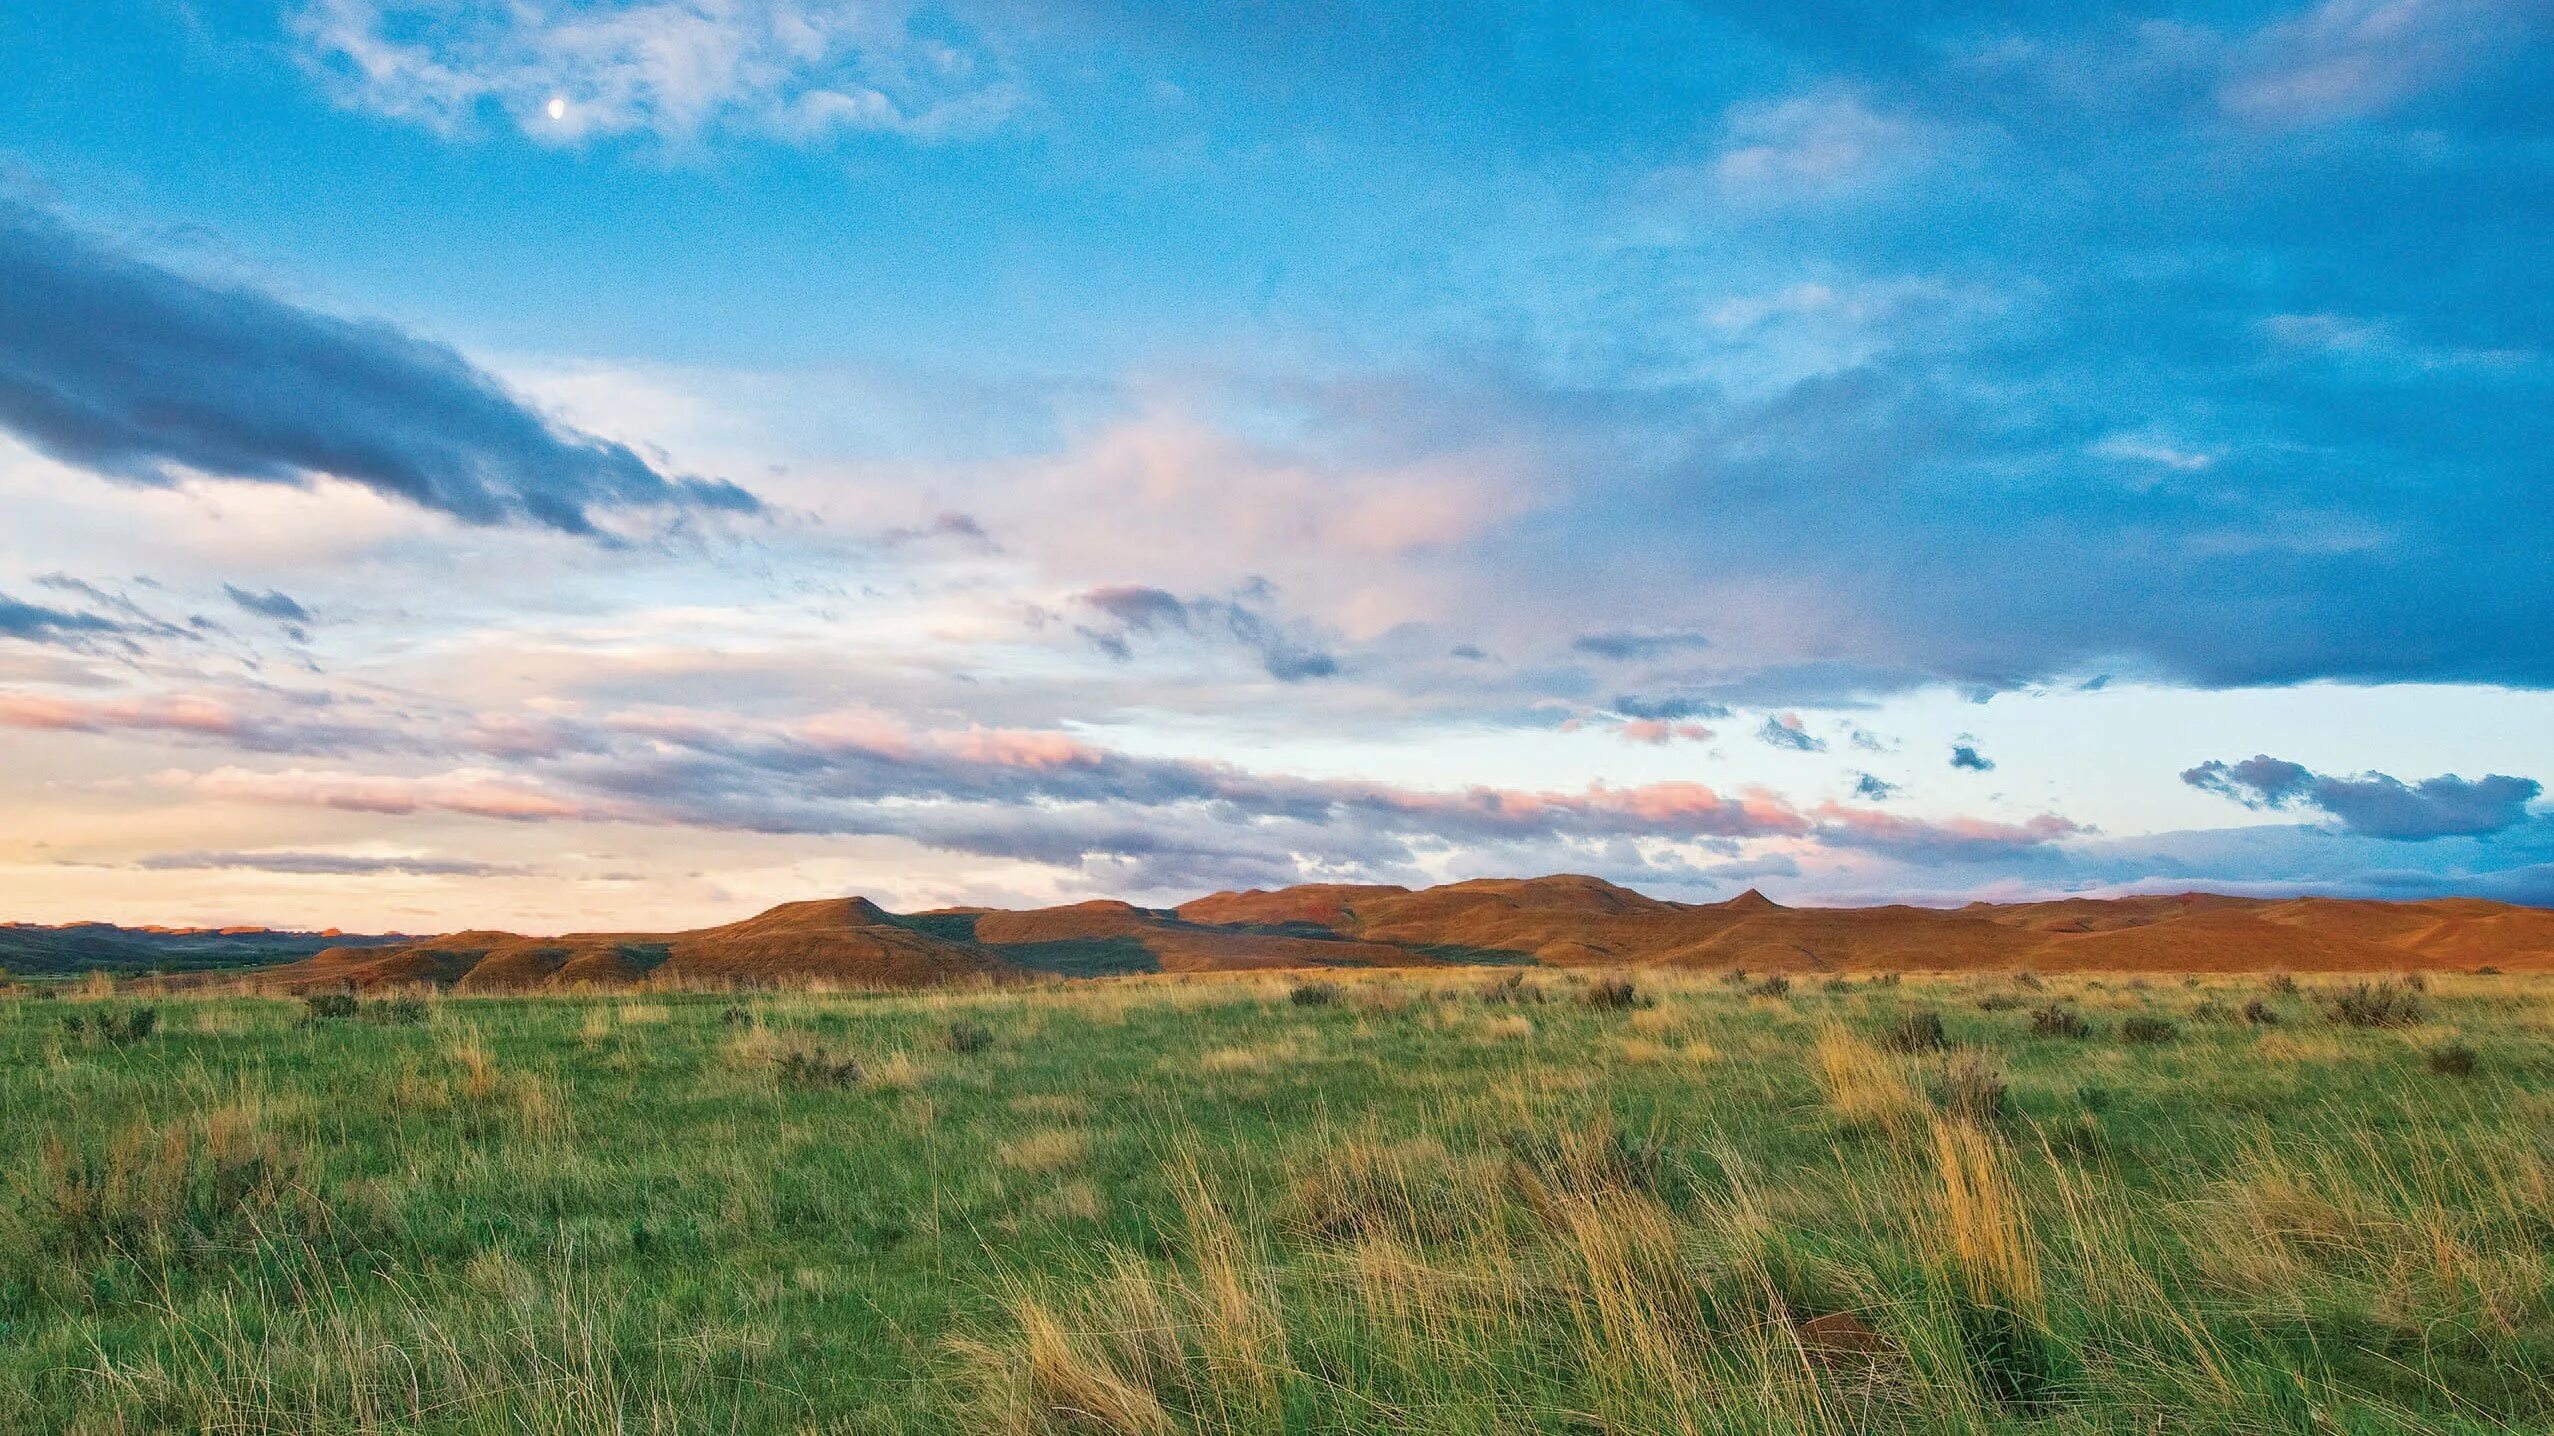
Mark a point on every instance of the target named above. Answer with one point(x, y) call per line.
point(558, 464)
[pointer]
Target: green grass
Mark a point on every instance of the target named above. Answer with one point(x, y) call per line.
point(1156, 1205)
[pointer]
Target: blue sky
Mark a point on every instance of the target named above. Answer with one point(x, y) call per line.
point(541, 463)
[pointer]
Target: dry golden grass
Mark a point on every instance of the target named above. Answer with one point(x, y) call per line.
point(1867, 1085)
point(1047, 1150)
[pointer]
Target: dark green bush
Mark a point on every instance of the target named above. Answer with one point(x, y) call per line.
point(2376, 1004)
point(1615, 993)
point(1317, 992)
point(2059, 1020)
point(2146, 1030)
point(328, 1006)
point(1918, 1031)
point(2455, 1059)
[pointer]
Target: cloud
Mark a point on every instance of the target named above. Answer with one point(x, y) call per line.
point(1785, 730)
point(2346, 59)
point(1929, 841)
point(1966, 755)
point(2375, 805)
point(1638, 645)
point(1813, 145)
point(1873, 788)
point(1143, 609)
point(273, 603)
point(1659, 731)
point(801, 71)
point(1671, 708)
point(140, 374)
point(474, 793)
point(36, 623)
point(948, 525)
point(326, 865)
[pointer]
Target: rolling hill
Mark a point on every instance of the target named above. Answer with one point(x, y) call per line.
point(1566, 921)
point(33, 949)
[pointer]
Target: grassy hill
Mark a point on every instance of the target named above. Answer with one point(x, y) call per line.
point(29, 949)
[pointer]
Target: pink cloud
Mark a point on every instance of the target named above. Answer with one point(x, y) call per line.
point(473, 792)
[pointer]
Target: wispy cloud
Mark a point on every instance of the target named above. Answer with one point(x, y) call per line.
point(1288, 655)
point(308, 864)
point(800, 71)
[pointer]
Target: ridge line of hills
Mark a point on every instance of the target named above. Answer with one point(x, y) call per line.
point(1566, 921)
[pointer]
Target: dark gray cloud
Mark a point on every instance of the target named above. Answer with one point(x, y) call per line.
point(1966, 755)
point(1785, 730)
point(1638, 645)
point(273, 603)
point(1873, 788)
point(138, 373)
point(1669, 709)
point(2375, 805)
point(36, 623)
point(1136, 609)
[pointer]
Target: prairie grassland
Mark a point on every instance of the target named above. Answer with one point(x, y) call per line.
point(1455, 1202)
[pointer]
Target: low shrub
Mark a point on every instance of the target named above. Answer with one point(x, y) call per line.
point(1972, 1090)
point(1999, 1002)
point(2059, 1020)
point(2281, 984)
point(1317, 992)
point(2376, 1004)
point(1918, 1031)
point(815, 1067)
point(2455, 1059)
point(735, 1016)
point(1774, 985)
point(1512, 988)
point(328, 1006)
point(1615, 994)
point(2260, 1013)
point(2146, 1030)
point(110, 1028)
point(965, 1036)
point(410, 1011)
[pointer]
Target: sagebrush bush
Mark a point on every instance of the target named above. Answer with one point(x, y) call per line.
point(2146, 1029)
point(815, 1067)
point(2455, 1059)
point(2376, 1004)
point(1615, 994)
point(110, 1028)
point(1774, 985)
point(2260, 1013)
point(1512, 988)
point(965, 1036)
point(406, 1011)
point(2058, 1019)
point(1973, 1089)
point(1315, 992)
point(328, 1006)
point(1917, 1031)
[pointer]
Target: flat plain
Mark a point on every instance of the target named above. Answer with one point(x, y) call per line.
point(1448, 1200)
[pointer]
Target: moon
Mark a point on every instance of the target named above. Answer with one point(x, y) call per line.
point(558, 108)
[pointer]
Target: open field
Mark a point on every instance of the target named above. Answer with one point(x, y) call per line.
point(1452, 1200)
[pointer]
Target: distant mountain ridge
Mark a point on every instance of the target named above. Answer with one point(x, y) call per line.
point(1564, 921)
point(67, 949)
